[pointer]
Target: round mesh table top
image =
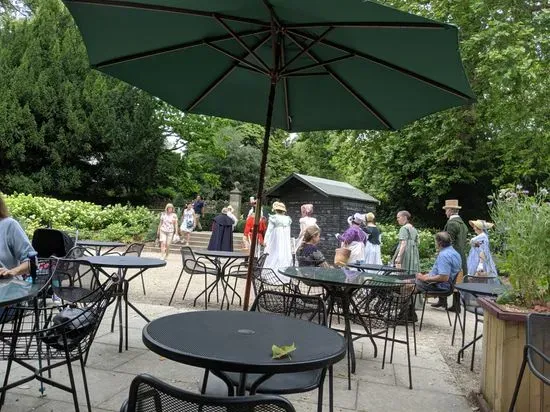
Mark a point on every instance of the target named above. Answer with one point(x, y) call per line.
point(238, 341)
point(99, 243)
point(124, 262)
point(482, 289)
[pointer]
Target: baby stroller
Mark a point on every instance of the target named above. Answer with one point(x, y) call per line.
point(49, 242)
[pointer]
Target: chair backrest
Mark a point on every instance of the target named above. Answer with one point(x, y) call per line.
point(267, 279)
point(51, 242)
point(149, 394)
point(77, 252)
point(134, 249)
point(538, 345)
point(311, 308)
point(68, 273)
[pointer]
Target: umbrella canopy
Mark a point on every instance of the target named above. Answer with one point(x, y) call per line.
point(294, 65)
point(348, 64)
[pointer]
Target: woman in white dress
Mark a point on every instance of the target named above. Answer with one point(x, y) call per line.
point(480, 260)
point(373, 255)
point(277, 241)
point(230, 213)
point(188, 223)
point(305, 221)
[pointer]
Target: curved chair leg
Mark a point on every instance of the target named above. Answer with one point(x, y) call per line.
point(518, 382)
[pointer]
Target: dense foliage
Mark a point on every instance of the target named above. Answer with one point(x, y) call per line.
point(70, 132)
point(113, 222)
point(522, 237)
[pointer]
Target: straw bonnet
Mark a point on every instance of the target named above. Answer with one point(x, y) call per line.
point(252, 201)
point(279, 206)
point(481, 224)
point(369, 217)
point(451, 204)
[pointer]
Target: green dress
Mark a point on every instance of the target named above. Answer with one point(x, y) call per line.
point(410, 260)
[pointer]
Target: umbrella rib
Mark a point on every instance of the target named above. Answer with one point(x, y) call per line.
point(389, 65)
point(237, 58)
point(285, 87)
point(242, 43)
point(168, 9)
point(322, 63)
point(372, 25)
point(170, 49)
point(223, 76)
point(347, 87)
point(309, 46)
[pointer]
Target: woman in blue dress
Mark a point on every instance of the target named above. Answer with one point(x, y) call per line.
point(480, 260)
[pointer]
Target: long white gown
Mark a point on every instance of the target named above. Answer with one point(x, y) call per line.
point(277, 241)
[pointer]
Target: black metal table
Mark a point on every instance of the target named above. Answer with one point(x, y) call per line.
point(340, 285)
point(97, 245)
point(477, 290)
point(239, 341)
point(122, 264)
point(376, 269)
point(221, 260)
point(13, 291)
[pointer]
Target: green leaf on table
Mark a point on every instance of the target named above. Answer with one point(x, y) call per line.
point(279, 352)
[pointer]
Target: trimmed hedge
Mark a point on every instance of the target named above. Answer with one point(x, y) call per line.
point(113, 222)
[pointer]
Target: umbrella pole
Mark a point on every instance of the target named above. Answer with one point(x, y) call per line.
point(260, 193)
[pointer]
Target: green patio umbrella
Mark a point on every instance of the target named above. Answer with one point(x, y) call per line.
point(294, 65)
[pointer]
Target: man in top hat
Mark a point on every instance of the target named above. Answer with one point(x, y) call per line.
point(458, 230)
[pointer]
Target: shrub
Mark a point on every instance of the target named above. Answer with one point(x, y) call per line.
point(113, 222)
point(522, 238)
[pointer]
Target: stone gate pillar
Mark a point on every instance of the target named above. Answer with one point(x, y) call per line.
point(235, 199)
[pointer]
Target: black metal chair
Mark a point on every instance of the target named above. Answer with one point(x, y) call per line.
point(193, 265)
point(74, 281)
point(149, 394)
point(469, 305)
point(240, 271)
point(45, 334)
point(381, 307)
point(440, 294)
point(536, 352)
point(310, 308)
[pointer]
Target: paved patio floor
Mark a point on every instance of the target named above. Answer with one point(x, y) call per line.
point(438, 384)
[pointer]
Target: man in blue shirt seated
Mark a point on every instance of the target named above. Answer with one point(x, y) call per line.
point(445, 269)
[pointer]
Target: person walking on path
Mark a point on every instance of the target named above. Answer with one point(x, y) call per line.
point(168, 226)
point(188, 223)
point(277, 240)
point(305, 221)
point(458, 231)
point(354, 238)
point(480, 260)
point(198, 207)
point(406, 254)
point(222, 233)
point(373, 255)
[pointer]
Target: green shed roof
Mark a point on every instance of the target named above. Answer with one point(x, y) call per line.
point(327, 187)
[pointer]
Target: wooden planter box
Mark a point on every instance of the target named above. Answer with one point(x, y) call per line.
point(503, 342)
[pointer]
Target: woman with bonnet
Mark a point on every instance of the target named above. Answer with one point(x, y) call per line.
point(305, 221)
point(373, 256)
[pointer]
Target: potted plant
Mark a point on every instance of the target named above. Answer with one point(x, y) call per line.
point(522, 240)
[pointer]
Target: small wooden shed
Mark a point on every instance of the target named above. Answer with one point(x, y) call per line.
point(332, 201)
